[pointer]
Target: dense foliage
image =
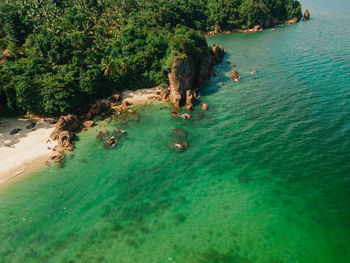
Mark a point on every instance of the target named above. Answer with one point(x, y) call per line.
point(57, 55)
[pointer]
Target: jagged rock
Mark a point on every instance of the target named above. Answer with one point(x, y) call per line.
point(96, 109)
point(111, 142)
point(64, 131)
point(217, 29)
point(306, 15)
point(88, 124)
point(186, 77)
point(186, 116)
point(219, 53)
point(189, 100)
point(57, 157)
point(235, 75)
point(114, 98)
point(181, 78)
point(65, 139)
point(204, 106)
point(257, 28)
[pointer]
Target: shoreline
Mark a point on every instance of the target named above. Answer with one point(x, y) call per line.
point(217, 31)
point(21, 151)
point(30, 149)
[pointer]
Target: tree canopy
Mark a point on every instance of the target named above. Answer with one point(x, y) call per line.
point(56, 55)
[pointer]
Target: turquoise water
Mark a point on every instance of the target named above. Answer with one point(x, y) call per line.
point(265, 178)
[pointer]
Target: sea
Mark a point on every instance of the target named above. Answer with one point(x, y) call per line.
point(263, 176)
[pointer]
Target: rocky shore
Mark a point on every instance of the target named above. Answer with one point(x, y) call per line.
point(258, 28)
point(185, 81)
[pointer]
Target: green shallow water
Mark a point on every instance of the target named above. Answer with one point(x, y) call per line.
point(266, 176)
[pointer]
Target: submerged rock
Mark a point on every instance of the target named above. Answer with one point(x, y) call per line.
point(204, 106)
point(111, 142)
point(180, 132)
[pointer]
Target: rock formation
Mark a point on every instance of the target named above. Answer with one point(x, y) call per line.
point(88, 124)
point(96, 109)
point(65, 129)
point(186, 77)
point(111, 142)
point(306, 15)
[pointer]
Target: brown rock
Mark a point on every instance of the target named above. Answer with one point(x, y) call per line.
point(186, 116)
point(88, 124)
point(204, 106)
point(64, 131)
point(219, 53)
point(96, 109)
point(186, 77)
point(111, 142)
point(114, 98)
point(65, 138)
point(235, 75)
point(306, 15)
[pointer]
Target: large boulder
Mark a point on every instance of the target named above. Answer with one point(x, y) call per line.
point(96, 109)
point(65, 129)
point(219, 53)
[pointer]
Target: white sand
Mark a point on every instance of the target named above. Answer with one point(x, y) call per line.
point(28, 147)
point(142, 96)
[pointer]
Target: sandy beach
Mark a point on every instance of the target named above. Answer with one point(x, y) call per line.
point(142, 96)
point(26, 149)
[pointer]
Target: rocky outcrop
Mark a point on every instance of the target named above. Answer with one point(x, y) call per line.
point(218, 53)
point(65, 130)
point(186, 77)
point(306, 15)
point(96, 109)
point(88, 124)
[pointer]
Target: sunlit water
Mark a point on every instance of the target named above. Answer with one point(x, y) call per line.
point(266, 176)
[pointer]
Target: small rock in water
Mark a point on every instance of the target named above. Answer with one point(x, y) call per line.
point(186, 116)
point(204, 106)
point(253, 72)
point(100, 136)
point(111, 142)
point(88, 124)
point(180, 132)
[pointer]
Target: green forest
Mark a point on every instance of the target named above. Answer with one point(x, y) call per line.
point(58, 55)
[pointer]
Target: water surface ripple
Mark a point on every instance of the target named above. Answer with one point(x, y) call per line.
point(265, 177)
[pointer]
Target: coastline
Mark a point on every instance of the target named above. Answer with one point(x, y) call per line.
point(29, 149)
point(26, 150)
point(217, 31)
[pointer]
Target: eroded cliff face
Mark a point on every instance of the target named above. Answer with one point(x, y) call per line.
point(186, 77)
